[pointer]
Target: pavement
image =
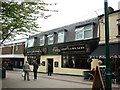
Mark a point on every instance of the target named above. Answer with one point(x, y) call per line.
point(14, 80)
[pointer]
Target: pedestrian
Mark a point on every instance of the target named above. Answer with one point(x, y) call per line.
point(49, 69)
point(26, 69)
point(35, 68)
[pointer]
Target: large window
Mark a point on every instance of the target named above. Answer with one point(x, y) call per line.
point(75, 61)
point(85, 32)
point(61, 36)
point(42, 40)
point(30, 59)
point(50, 39)
point(30, 42)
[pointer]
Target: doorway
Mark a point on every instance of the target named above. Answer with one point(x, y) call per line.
point(50, 61)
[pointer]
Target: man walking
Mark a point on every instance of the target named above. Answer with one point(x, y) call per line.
point(35, 68)
point(26, 69)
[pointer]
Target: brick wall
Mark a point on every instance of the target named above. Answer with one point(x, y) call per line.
point(7, 50)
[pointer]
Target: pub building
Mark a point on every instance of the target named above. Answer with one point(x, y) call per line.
point(66, 48)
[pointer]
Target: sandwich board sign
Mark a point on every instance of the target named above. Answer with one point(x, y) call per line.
point(98, 83)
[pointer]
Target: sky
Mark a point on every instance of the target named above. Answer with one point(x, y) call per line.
point(71, 11)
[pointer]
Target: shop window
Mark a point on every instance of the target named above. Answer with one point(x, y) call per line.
point(43, 63)
point(21, 63)
point(75, 61)
point(56, 64)
point(50, 39)
point(31, 59)
point(15, 63)
point(85, 32)
point(42, 40)
point(61, 36)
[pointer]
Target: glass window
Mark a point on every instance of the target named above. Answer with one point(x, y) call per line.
point(43, 63)
point(30, 42)
point(88, 30)
point(79, 33)
point(84, 32)
point(17, 47)
point(75, 61)
point(42, 40)
point(61, 37)
point(30, 59)
point(50, 39)
point(56, 64)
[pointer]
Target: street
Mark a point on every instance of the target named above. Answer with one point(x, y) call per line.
point(15, 80)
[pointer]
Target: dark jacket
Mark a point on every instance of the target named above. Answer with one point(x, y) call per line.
point(35, 67)
point(49, 68)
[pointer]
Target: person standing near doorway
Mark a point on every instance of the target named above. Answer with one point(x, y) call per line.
point(49, 69)
point(35, 68)
point(26, 69)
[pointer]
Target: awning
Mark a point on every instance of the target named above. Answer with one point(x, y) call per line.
point(99, 52)
point(12, 56)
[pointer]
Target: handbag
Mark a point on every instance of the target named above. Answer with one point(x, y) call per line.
point(23, 74)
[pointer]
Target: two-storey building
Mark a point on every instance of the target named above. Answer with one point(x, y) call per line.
point(67, 48)
point(12, 53)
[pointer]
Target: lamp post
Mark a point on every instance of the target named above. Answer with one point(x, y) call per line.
point(108, 73)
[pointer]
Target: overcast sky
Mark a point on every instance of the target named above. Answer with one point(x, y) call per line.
point(71, 11)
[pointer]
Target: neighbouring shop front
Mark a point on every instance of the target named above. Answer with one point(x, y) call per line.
point(66, 58)
point(99, 54)
point(11, 63)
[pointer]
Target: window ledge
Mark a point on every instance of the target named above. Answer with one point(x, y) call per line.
point(118, 36)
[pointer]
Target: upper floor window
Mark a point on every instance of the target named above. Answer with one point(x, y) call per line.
point(118, 22)
point(42, 40)
point(79, 33)
point(85, 32)
point(50, 39)
point(61, 36)
point(30, 42)
point(17, 47)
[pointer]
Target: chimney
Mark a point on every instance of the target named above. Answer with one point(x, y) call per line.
point(119, 5)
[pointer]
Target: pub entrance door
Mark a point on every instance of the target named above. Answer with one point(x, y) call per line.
point(50, 61)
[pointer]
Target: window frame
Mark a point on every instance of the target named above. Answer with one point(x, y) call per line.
point(61, 36)
point(118, 25)
point(42, 38)
point(82, 30)
point(16, 47)
point(30, 42)
point(49, 37)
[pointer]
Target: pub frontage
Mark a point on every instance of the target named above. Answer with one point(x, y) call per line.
point(67, 58)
